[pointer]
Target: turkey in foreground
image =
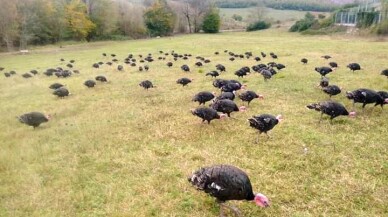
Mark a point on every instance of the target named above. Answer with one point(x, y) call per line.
point(34, 119)
point(207, 114)
point(365, 96)
point(248, 96)
point(226, 106)
point(226, 182)
point(331, 108)
point(203, 97)
point(264, 123)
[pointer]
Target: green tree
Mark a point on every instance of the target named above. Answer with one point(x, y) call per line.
point(76, 16)
point(159, 19)
point(304, 24)
point(212, 22)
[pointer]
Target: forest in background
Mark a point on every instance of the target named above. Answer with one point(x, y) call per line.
point(39, 22)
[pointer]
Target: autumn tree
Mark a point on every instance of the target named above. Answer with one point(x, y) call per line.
point(159, 19)
point(78, 22)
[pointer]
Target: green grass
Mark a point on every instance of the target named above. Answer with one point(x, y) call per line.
point(118, 150)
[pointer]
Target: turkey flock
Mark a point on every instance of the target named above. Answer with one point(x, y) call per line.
point(224, 182)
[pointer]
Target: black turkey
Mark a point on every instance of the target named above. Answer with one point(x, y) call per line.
point(90, 83)
point(218, 83)
point(332, 90)
point(203, 97)
point(280, 66)
point(324, 82)
point(354, 66)
point(101, 78)
point(220, 68)
point(214, 74)
point(199, 64)
point(324, 70)
point(146, 84)
point(331, 108)
point(184, 81)
point(56, 86)
point(207, 114)
point(248, 96)
point(385, 72)
point(226, 182)
point(185, 68)
point(232, 85)
point(333, 65)
point(241, 73)
point(226, 95)
point(304, 60)
point(61, 92)
point(264, 123)
point(27, 75)
point(226, 106)
point(34, 119)
point(266, 74)
point(365, 96)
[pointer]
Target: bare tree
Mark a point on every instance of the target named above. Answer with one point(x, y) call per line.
point(8, 22)
point(200, 8)
point(257, 13)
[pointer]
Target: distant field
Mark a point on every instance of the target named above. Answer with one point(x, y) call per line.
point(286, 17)
point(118, 150)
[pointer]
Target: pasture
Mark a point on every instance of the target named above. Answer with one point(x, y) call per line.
point(119, 150)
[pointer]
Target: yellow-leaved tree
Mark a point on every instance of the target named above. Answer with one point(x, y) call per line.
point(77, 19)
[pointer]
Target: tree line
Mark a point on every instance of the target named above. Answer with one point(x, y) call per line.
point(39, 22)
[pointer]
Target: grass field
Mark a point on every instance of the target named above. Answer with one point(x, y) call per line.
point(269, 13)
point(118, 150)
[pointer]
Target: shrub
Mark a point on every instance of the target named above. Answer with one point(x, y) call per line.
point(304, 24)
point(259, 25)
point(382, 28)
point(212, 22)
point(237, 17)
